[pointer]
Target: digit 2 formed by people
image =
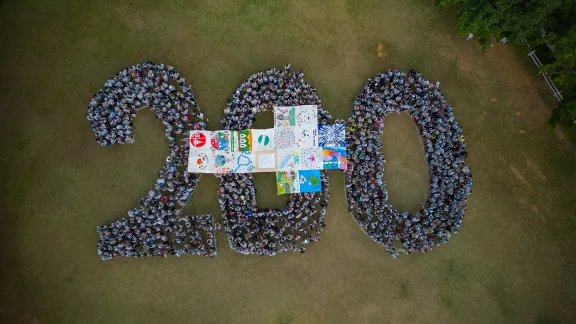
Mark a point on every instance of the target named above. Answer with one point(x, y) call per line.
point(158, 227)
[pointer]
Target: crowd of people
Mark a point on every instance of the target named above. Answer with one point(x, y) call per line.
point(266, 232)
point(445, 149)
point(157, 226)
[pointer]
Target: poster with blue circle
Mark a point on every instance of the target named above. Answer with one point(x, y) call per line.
point(309, 180)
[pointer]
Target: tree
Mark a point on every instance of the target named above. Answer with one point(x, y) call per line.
point(562, 70)
point(564, 115)
point(516, 20)
point(563, 67)
point(496, 19)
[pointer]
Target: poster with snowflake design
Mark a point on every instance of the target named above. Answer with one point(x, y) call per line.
point(332, 135)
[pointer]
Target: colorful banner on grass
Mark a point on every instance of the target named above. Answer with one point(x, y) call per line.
point(334, 158)
point(263, 139)
point(296, 148)
point(242, 140)
point(300, 181)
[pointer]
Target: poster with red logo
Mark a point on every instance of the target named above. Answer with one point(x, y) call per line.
point(200, 141)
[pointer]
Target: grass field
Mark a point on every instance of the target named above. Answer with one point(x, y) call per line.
point(512, 262)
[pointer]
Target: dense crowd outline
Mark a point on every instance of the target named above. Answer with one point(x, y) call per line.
point(157, 227)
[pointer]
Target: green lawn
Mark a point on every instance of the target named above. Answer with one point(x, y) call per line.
point(512, 262)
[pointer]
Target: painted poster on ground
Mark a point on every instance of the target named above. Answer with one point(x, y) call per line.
point(220, 140)
point(284, 117)
point(200, 141)
point(266, 161)
point(295, 116)
point(198, 162)
point(306, 136)
point(241, 140)
point(209, 162)
point(288, 159)
point(332, 135)
point(284, 138)
point(334, 158)
point(222, 162)
point(310, 158)
point(287, 182)
point(300, 159)
point(243, 162)
point(262, 139)
point(310, 181)
point(306, 115)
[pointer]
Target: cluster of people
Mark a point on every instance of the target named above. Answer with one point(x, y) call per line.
point(266, 232)
point(264, 90)
point(156, 226)
point(112, 109)
point(445, 149)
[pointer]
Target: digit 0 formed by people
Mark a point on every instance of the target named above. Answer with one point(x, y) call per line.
point(445, 149)
point(158, 227)
point(266, 232)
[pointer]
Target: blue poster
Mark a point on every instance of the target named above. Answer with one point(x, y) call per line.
point(332, 135)
point(310, 180)
point(334, 158)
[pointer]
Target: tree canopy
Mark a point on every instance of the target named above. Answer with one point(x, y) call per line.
point(515, 20)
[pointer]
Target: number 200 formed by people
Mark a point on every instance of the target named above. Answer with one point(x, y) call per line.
point(158, 227)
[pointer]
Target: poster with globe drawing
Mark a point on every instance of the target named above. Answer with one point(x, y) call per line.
point(221, 162)
point(262, 139)
point(221, 140)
